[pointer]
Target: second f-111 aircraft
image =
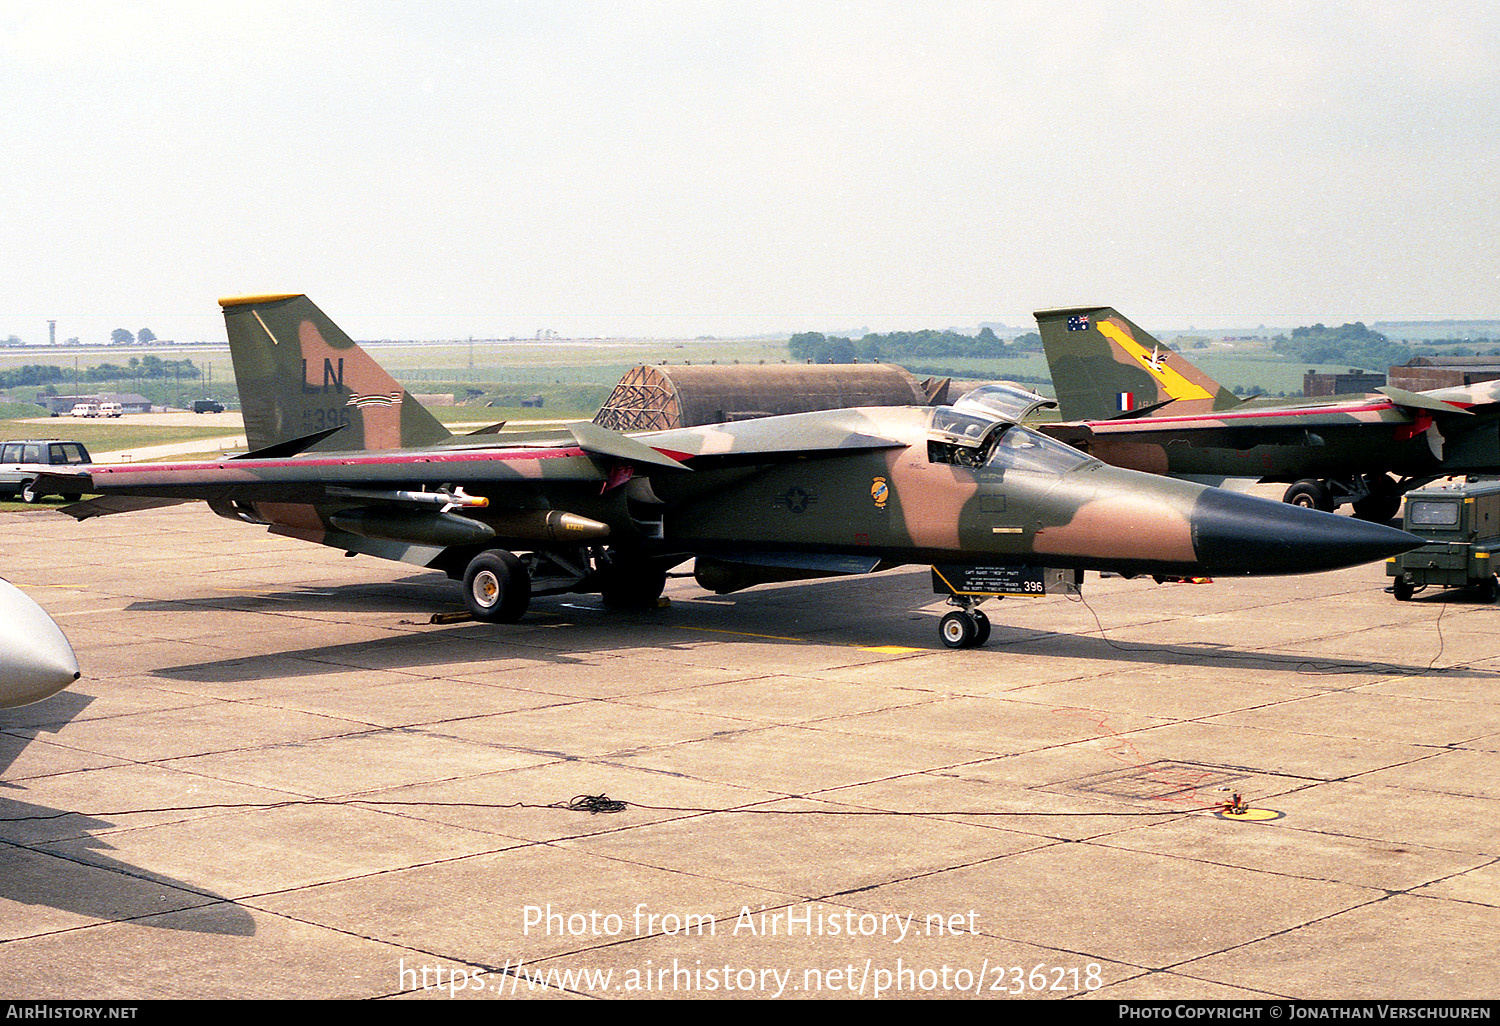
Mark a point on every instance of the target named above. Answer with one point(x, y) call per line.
point(1132, 402)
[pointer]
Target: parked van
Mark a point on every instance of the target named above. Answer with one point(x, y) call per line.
point(85, 410)
point(110, 409)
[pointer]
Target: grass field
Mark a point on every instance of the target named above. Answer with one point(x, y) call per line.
point(1261, 373)
point(572, 374)
point(106, 435)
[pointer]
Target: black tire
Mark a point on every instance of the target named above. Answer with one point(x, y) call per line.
point(981, 628)
point(1310, 495)
point(29, 493)
point(1489, 590)
point(627, 583)
point(497, 588)
point(1383, 501)
point(1402, 589)
point(958, 630)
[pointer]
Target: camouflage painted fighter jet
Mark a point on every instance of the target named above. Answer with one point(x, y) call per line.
point(1132, 402)
point(343, 456)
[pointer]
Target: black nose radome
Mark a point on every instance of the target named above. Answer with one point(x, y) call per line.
point(1243, 534)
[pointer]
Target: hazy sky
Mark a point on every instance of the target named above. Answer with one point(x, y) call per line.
point(440, 169)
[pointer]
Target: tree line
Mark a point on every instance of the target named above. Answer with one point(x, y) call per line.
point(1356, 345)
point(902, 346)
point(139, 368)
point(1353, 344)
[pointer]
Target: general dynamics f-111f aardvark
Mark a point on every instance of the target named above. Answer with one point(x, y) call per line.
point(342, 455)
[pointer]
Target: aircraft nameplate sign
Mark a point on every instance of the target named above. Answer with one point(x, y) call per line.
point(1005, 580)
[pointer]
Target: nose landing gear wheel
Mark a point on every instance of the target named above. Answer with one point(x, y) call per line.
point(981, 627)
point(964, 628)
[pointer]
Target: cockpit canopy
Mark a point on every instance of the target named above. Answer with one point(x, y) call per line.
point(1004, 400)
point(980, 430)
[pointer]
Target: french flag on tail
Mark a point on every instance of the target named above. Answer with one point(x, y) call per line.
point(1124, 401)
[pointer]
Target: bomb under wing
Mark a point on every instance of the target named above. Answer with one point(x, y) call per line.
point(780, 498)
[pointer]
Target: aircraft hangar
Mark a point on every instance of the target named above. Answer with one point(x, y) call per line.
point(665, 396)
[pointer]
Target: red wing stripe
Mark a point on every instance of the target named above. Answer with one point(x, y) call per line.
point(1211, 420)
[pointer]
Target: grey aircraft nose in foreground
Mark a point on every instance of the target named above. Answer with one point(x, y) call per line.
point(36, 661)
point(342, 455)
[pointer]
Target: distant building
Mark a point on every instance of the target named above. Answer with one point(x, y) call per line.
point(1422, 373)
point(129, 401)
point(1354, 382)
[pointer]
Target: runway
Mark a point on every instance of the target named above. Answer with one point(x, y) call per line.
point(278, 779)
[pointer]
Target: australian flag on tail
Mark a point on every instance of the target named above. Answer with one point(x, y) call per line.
point(1078, 323)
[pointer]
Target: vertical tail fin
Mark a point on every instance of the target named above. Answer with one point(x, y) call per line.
point(1103, 365)
point(298, 374)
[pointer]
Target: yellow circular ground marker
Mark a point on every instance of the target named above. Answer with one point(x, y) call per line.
point(1251, 815)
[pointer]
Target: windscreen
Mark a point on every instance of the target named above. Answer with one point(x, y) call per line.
point(1021, 448)
point(962, 428)
point(970, 438)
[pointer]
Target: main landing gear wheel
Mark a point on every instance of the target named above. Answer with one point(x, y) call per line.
point(964, 628)
point(631, 583)
point(497, 588)
point(1309, 494)
point(1382, 502)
